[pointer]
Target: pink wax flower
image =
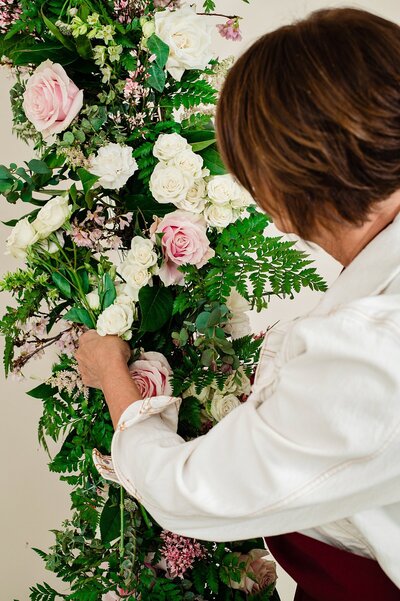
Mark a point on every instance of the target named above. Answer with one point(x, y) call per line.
point(51, 99)
point(151, 374)
point(231, 30)
point(180, 553)
point(184, 241)
point(121, 9)
point(10, 11)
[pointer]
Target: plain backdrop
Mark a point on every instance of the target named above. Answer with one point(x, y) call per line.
point(32, 500)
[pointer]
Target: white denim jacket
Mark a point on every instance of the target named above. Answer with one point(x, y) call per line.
point(316, 448)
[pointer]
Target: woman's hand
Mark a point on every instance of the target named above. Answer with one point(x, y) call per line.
point(100, 356)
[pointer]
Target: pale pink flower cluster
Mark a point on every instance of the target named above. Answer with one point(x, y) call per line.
point(180, 553)
point(10, 11)
point(121, 9)
point(97, 232)
point(68, 342)
point(231, 30)
point(134, 91)
point(70, 381)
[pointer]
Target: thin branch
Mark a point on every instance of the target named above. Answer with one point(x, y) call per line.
point(218, 15)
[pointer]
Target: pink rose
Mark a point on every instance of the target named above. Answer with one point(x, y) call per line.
point(151, 374)
point(184, 241)
point(51, 99)
point(257, 565)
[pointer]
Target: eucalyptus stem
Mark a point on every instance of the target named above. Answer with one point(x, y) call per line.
point(122, 515)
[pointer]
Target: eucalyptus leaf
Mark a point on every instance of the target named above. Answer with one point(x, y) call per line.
point(40, 167)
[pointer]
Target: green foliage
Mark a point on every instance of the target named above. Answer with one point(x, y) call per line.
point(109, 537)
point(155, 306)
point(44, 592)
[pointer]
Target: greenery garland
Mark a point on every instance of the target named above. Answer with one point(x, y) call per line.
point(120, 115)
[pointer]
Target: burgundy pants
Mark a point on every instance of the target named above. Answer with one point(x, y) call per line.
point(324, 573)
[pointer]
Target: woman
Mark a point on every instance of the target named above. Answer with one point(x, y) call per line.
point(309, 123)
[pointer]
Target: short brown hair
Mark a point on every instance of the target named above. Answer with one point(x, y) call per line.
point(309, 118)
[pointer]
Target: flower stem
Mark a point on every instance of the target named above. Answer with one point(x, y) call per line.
point(145, 516)
point(122, 515)
point(218, 15)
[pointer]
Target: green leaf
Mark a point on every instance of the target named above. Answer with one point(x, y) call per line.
point(84, 278)
point(202, 321)
point(109, 293)
point(5, 186)
point(110, 522)
point(68, 137)
point(160, 49)
point(84, 47)
point(39, 167)
point(88, 179)
point(8, 354)
point(10, 223)
point(57, 33)
point(157, 77)
point(62, 284)
point(213, 161)
point(156, 307)
point(43, 391)
point(198, 146)
point(79, 315)
point(5, 173)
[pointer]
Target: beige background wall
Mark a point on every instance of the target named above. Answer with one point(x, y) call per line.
point(32, 500)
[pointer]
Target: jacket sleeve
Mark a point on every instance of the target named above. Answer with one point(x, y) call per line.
point(310, 446)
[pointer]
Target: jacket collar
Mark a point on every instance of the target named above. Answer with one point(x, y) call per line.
point(369, 273)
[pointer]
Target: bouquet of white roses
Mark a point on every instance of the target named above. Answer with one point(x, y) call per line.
point(133, 227)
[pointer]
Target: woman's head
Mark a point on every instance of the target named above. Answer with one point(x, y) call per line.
point(309, 119)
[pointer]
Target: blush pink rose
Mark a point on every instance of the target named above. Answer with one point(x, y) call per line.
point(184, 241)
point(258, 566)
point(151, 374)
point(51, 99)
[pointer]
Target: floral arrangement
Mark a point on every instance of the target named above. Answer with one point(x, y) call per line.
point(133, 227)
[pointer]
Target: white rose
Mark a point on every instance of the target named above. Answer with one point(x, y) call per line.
point(168, 146)
point(21, 237)
point(219, 215)
point(239, 323)
point(114, 164)
point(169, 184)
point(135, 275)
point(188, 37)
point(142, 252)
point(222, 189)
point(52, 216)
point(222, 405)
point(116, 320)
point(195, 201)
point(93, 300)
point(189, 162)
point(243, 198)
